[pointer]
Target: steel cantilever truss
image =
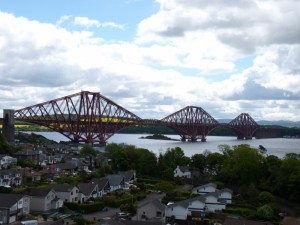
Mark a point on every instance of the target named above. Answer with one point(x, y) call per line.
point(191, 123)
point(82, 117)
point(244, 125)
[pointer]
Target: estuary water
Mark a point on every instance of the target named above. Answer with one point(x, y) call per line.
point(274, 146)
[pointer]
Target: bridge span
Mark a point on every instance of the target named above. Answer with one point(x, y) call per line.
point(91, 117)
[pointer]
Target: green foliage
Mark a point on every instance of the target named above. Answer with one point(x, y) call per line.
point(85, 208)
point(266, 198)
point(266, 212)
point(244, 166)
point(5, 148)
point(164, 186)
point(26, 163)
point(5, 189)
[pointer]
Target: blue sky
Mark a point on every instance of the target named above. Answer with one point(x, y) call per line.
point(155, 57)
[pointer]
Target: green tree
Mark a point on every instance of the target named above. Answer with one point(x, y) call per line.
point(266, 198)
point(88, 151)
point(198, 161)
point(245, 166)
point(265, 212)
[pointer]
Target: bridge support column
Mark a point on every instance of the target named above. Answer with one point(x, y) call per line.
point(203, 139)
point(8, 129)
point(183, 138)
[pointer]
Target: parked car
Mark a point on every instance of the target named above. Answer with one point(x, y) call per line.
point(120, 215)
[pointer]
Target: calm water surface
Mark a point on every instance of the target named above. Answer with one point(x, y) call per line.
point(274, 146)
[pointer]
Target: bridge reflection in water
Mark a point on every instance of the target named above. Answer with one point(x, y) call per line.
point(91, 117)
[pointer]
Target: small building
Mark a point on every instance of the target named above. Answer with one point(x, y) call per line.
point(7, 161)
point(103, 186)
point(66, 192)
point(87, 191)
point(153, 210)
point(43, 199)
point(116, 182)
point(182, 172)
point(10, 178)
point(13, 207)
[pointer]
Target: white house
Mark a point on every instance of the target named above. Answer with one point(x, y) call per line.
point(6, 161)
point(212, 202)
point(87, 191)
point(153, 210)
point(43, 199)
point(225, 195)
point(13, 207)
point(204, 189)
point(66, 192)
point(180, 210)
point(10, 178)
point(183, 172)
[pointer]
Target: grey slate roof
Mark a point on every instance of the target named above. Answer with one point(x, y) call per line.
point(128, 175)
point(86, 188)
point(61, 187)
point(8, 200)
point(102, 182)
point(115, 180)
point(184, 169)
point(38, 192)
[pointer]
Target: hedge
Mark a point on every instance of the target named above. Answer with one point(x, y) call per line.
point(85, 208)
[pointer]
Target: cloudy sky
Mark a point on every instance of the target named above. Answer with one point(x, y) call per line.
point(154, 57)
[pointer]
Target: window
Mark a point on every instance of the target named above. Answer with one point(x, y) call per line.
point(158, 214)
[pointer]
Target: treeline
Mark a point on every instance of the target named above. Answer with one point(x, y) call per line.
point(140, 129)
point(242, 167)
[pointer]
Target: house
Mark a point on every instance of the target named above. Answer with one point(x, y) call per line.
point(182, 172)
point(60, 169)
point(29, 175)
point(103, 186)
point(7, 161)
point(239, 221)
point(225, 195)
point(212, 202)
point(43, 199)
point(153, 210)
point(13, 207)
point(87, 191)
point(116, 182)
point(66, 192)
point(204, 189)
point(28, 154)
point(129, 176)
point(190, 207)
point(10, 178)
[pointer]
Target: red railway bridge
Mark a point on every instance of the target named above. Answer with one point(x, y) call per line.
point(91, 117)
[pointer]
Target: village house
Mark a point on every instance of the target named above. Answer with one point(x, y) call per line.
point(13, 207)
point(66, 192)
point(182, 209)
point(10, 178)
point(7, 161)
point(87, 191)
point(28, 154)
point(29, 175)
point(103, 186)
point(43, 199)
point(116, 182)
point(153, 210)
point(182, 172)
point(204, 189)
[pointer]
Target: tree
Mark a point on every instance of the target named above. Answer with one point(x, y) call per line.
point(88, 151)
point(245, 166)
point(265, 212)
point(198, 161)
point(266, 198)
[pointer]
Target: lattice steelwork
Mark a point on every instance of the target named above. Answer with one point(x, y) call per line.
point(244, 125)
point(191, 123)
point(82, 117)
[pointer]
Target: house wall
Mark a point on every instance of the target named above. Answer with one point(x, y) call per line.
point(212, 207)
point(179, 212)
point(150, 211)
point(4, 218)
point(205, 190)
point(226, 196)
point(38, 204)
point(196, 205)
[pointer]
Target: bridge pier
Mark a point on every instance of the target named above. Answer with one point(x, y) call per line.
point(8, 129)
point(203, 139)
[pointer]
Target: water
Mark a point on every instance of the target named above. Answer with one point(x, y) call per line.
point(274, 146)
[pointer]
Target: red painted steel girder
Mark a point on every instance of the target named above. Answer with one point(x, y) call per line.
point(191, 123)
point(244, 125)
point(82, 117)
